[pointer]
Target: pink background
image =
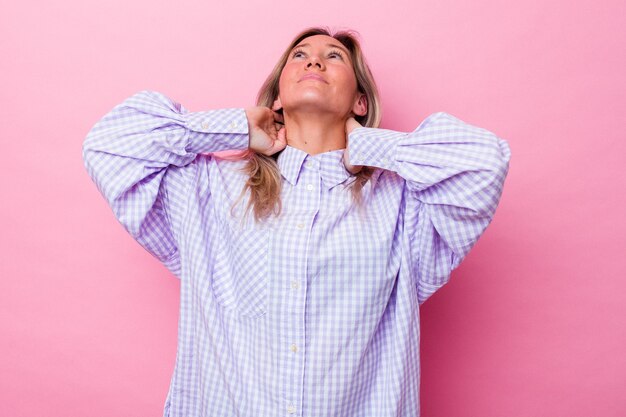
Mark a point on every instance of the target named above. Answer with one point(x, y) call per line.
point(531, 324)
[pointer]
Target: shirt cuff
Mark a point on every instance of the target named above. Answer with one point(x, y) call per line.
point(217, 130)
point(374, 147)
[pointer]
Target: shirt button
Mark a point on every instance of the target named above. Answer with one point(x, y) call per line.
point(309, 187)
point(293, 348)
point(205, 125)
point(233, 125)
point(295, 285)
point(291, 408)
point(300, 226)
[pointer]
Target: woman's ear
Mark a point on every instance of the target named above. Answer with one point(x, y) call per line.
point(360, 105)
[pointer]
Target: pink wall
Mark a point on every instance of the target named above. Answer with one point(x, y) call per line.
point(532, 323)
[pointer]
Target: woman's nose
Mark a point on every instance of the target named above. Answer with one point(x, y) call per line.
point(314, 60)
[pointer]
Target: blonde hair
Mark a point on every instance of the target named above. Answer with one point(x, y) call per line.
point(264, 178)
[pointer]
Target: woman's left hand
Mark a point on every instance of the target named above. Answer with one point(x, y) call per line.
point(351, 124)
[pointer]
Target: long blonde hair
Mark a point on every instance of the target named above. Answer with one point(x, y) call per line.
point(264, 178)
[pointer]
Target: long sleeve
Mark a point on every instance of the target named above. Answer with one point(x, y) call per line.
point(141, 157)
point(454, 174)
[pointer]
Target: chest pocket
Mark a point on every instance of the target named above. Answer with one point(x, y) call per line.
point(239, 279)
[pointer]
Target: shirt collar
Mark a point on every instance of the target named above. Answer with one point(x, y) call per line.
point(330, 165)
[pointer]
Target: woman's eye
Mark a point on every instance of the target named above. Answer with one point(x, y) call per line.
point(336, 55)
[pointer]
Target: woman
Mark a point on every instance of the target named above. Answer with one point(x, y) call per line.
point(311, 305)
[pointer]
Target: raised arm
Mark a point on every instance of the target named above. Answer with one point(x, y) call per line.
point(454, 175)
point(142, 154)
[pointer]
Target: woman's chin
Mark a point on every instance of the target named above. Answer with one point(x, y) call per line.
point(313, 105)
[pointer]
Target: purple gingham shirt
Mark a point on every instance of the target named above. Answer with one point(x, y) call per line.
point(314, 312)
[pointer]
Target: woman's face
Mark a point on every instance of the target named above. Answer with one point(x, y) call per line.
point(319, 76)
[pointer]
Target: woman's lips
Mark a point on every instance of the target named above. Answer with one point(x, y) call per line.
point(313, 77)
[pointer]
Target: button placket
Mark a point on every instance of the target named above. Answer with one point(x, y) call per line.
point(293, 339)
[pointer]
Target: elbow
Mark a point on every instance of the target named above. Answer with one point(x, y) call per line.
point(495, 171)
point(89, 152)
point(86, 149)
point(87, 156)
point(505, 156)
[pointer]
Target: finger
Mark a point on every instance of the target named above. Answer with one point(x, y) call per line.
point(278, 145)
point(352, 124)
point(281, 137)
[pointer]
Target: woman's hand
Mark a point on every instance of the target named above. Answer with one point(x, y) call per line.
point(351, 124)
point(266, 130)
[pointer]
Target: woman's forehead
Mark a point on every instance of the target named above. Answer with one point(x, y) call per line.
point(325, 39)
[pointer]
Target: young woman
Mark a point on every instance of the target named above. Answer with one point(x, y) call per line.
point(303, 261)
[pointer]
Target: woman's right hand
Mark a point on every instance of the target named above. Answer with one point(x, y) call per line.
point(266, 130)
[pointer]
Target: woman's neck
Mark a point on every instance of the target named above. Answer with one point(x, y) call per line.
point(315, 133)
